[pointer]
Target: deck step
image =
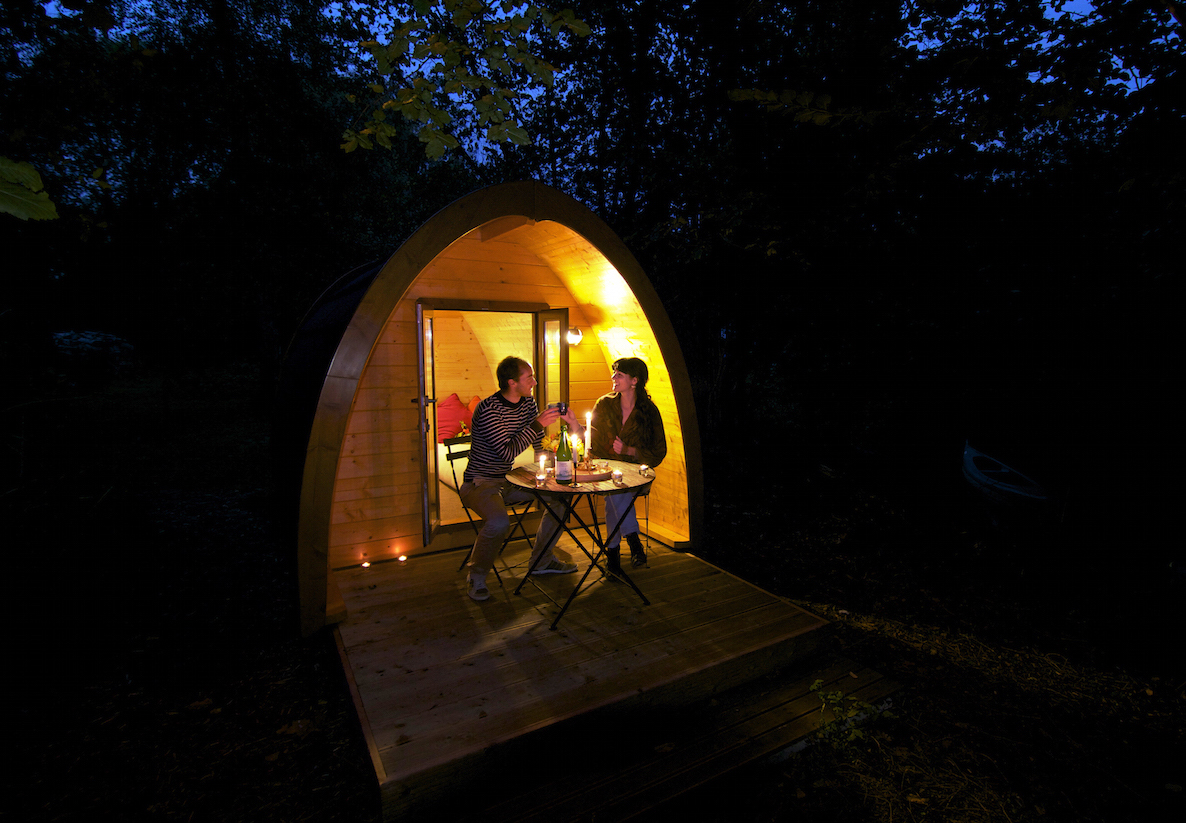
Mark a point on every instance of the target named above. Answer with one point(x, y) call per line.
point(617, 766)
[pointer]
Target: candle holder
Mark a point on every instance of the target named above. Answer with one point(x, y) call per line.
point(617, 476)
point(540, 480)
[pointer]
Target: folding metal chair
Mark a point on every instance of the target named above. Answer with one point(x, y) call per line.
point(455, 449)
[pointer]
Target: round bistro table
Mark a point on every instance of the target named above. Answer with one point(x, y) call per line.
point(588, 485)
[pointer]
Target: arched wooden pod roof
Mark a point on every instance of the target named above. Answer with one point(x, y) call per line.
point(511, 243)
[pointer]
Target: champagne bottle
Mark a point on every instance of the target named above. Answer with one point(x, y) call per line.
point(564, 464)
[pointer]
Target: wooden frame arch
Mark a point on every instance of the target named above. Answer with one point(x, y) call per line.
point(549, 248)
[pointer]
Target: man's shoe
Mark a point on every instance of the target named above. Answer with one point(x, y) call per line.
point(557, 566)
point(477, 588)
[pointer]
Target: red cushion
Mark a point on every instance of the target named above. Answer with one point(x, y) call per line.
point(452, 414)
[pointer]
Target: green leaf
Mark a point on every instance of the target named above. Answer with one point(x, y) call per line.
point(518, 135)
point(20, 173)
point(18, 201)
point(21, 194)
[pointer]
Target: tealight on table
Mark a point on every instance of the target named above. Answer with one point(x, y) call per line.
point(588, 484)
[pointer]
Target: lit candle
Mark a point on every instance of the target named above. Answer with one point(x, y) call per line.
point(588, 431)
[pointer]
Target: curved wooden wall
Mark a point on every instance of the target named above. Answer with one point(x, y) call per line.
point(518, 242)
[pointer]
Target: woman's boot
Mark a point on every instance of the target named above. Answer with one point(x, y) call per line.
point(638, 555)
point(613, 559)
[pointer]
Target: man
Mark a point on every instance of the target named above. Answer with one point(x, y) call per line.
point(504, 424)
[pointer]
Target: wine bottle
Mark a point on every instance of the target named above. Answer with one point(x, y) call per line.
point(564, 464)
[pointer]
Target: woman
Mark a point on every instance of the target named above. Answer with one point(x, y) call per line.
point(627, 426)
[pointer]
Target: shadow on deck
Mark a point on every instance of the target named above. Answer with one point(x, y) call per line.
point(483, 704)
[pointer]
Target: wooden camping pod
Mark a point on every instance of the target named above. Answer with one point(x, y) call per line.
point(517, 244)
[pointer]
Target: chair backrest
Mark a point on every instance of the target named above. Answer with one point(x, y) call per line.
point(455, 449)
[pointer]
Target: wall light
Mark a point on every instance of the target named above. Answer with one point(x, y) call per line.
point(574, 336)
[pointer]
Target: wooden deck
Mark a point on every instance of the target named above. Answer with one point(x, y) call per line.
point(451, 692)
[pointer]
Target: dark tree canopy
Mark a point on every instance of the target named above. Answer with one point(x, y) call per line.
point(873, 221)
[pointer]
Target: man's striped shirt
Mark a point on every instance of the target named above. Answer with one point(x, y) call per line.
point(501, 431)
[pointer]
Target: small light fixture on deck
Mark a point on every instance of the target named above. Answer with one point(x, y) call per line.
point(574, 336)
point(403, 558)
point(366, 564)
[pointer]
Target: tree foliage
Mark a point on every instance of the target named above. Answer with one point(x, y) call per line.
point(195, 220)
point(440, 61)
point(881, 187)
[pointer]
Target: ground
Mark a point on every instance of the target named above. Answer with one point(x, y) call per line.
point(159, 675)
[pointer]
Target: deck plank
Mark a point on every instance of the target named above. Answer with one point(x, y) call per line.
point(440, 681)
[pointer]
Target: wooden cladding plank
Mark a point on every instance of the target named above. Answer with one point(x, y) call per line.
point(400, 330)
point(401, 399)
point(405, 376)
point(469, 249)
point(517, 274)
point(388, 464)
point(375, 531)
point(385, 420)
point(381, 442)
point(401, 353)
point(367, 509)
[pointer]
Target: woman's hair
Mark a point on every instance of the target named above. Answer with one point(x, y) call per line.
point(634, 367)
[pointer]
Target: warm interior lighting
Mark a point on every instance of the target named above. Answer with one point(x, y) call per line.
point(574, 336)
